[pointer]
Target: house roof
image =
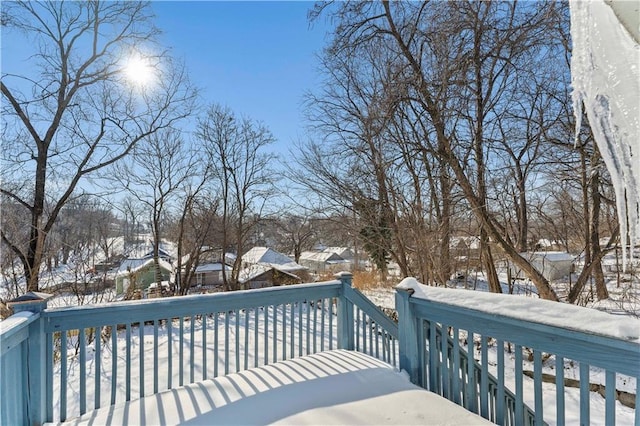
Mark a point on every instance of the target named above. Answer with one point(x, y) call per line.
point(132, 265)
point(269, 257)
point(550, 256)
point(322, 257)
point(254, 271)
point(340, 251)
point(212, 267)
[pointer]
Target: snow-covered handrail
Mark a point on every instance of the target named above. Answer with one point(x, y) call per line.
point(549, 333)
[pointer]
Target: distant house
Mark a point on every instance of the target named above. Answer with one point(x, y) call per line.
point(140, 273)
point(553, 265)
point(261, 276)
point(265, 267)
point(318, 262)
point(210, 274)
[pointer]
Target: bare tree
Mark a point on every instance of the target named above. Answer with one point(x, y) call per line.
point(158, 169)
point(459, 84)
point(242, 170)
point(78, 113)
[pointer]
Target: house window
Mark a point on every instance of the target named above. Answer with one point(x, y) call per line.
point(199, 279)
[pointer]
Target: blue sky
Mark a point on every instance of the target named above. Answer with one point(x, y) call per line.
point(258, 58)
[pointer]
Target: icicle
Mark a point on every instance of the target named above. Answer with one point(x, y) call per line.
point(605, 75)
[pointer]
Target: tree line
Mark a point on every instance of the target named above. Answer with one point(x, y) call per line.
point(433, 120)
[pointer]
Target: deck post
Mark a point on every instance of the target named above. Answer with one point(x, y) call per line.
point(408, 347)
point(37, 356)
point(345, 314)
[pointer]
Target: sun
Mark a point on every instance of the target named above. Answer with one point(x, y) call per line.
point(139, 71)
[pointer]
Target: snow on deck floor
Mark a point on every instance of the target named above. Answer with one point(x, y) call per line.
point(334, 387)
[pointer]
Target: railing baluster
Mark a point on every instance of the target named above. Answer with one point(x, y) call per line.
point(357, 328)
point(82, 343)
point(226, 343)
point(559, 390)
point(500, 417)
point(114, 361)
point(519, 409)
point(308, 307)
point(169, 353)
point(377, 339)
point(370, 331)
point(315, 326)
point(393, 344)
point(203, 323)
point(484, 378)
point(275, 333)
point(49, 383)
point(63, 375)
point(141, 355)
point(128, 363)
point(585, 415)
point(610, 398)
point(300, 328)
point(255, 336)
point(266, 335)
point(422, 352)
point(236, 315)
point(284, 331)
point(292, 330)
point(246, 339)
point(331, 324)
point(192, 348)
point(433, 354)
point(455, 368)
point(322, 326)
point(98, 364)
point(364, 331)
point(156, 367)
point(444, 371)
point(472, 394)
point(537, 385)
point(181, 352)
point(216, 344)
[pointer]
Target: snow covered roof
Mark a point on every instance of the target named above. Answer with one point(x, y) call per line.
point(212, 267)
point(340, 251)
point(322, 257)
point(254, 271)
point(132, 265)
point(551, 256)
point(270, 257)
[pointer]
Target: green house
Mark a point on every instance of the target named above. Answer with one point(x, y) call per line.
point(140, 273)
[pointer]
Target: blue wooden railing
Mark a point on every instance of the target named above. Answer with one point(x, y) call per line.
point(443, 366)
point(104, 348)
point(123, 351)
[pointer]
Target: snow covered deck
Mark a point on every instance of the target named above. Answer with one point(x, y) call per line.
point(332, 387)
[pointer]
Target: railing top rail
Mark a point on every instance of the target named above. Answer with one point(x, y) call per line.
point(579, 345)
point(171, 307)
point(14, 329)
